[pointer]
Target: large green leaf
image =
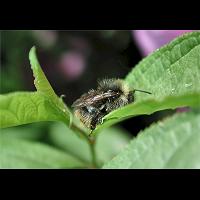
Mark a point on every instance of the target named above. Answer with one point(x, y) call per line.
point(18, 153)
point(108, 144)
point(27, 107)
point(171, 73)
point(172, 143)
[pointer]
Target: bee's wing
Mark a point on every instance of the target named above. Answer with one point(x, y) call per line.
point(80, 102)
point(91, 98)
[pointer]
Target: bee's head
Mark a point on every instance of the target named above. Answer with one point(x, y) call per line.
point(130, 97)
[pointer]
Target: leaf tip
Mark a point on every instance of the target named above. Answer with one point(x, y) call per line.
point(32, 52)
point(33, 58)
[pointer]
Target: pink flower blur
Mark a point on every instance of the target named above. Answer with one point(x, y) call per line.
point(72, 64)
point(150, 40)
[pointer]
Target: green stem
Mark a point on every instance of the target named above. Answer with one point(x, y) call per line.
point(92, 147)
point(91, 141)
point(78, 129)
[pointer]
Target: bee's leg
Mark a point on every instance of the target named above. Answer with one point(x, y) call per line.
point(101, 120)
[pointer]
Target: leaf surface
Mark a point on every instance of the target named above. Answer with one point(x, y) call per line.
point(108, 144)
point(172, 143)
point(18, 153)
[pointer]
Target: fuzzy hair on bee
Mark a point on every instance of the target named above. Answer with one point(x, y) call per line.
point(110, 94)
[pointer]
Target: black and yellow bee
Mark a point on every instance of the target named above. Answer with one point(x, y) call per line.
point(110, 94)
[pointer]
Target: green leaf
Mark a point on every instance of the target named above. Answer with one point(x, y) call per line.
point(64, 138)
point(42, 84)
point(171, 73)
point(108, 144)
point(35, 131)
point(27, 107)
point(18, 153)
point(150, 106)
point(172, 143)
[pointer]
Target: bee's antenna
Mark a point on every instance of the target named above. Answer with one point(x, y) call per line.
point(142, 91)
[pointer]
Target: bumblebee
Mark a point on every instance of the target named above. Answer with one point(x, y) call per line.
point(110, 94)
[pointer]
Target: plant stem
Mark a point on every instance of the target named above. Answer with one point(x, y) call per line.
point(91, 141)
point(92, 147)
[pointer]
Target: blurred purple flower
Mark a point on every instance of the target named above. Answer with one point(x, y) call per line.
point(72, 64)
point(150, 40)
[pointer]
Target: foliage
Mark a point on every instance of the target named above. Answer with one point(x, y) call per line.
point(171, 73)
